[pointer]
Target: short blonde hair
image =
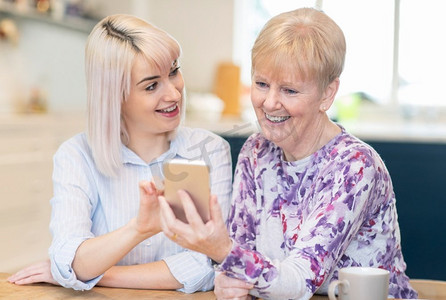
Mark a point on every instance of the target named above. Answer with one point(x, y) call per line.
point(304, 41)
point(110, 52)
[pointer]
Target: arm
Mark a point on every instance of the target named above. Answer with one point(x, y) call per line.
point(96, 255)
point(193, 269)
point(79, 256)
point(155, 275)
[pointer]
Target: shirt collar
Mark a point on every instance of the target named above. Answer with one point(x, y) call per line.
point(176, 150)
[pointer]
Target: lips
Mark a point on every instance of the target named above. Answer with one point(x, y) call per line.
point(276, 119)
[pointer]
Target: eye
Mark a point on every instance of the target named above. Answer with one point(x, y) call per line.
point(151, 87)
point(261, 84)
point(174, 71)
point(290, 91)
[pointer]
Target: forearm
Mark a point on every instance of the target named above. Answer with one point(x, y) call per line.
point(272, 278)
point(96, 255)
point(155, 275)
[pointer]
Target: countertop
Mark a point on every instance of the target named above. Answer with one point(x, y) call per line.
point(381, 129)
point(378, 128)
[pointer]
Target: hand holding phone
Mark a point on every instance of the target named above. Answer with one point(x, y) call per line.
point(191, 176)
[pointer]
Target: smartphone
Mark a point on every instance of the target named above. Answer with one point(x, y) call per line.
point(191, 176)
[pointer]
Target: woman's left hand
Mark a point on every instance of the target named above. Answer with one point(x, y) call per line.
point(211, 238)
point(38, 272)
point(231, 288)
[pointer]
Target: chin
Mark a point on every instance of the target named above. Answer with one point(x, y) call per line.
point(279, 135)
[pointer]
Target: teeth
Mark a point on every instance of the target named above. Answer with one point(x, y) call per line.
point(277, 119)
point(167, 110)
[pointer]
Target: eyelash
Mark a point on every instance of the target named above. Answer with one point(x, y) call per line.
point(152, 86)
point(290, 91)
point(262, 85)
point(174, 71)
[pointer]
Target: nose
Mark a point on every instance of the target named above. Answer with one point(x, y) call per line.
point(173, 91)
point(272, 100)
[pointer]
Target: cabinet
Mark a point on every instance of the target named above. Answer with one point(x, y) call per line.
point(9, 9)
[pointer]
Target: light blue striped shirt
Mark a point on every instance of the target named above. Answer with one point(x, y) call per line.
point(88, 204)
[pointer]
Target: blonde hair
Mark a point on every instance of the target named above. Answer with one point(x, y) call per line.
point(304, 41)
point(111, 49)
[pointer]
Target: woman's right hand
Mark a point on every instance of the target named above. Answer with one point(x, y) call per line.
point(38, 272)
point(148, 219)
point(210, 238)
point(230, 288)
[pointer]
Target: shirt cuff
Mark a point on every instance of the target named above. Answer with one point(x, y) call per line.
point(245, 264)
point(193, 270)
point(62, 256)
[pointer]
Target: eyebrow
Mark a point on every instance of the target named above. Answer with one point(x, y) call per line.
point(148, 78)
point(174, 66)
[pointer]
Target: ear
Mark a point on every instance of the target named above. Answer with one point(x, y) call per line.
point(329, 95)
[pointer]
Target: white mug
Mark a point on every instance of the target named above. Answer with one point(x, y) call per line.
point(360, 283)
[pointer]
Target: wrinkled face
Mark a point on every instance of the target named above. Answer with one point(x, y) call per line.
point(153, 106)
point(287, 108)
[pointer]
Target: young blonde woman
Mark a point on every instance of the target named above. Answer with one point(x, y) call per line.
point(105, 214)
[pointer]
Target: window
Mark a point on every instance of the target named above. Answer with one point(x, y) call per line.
point(395, 50)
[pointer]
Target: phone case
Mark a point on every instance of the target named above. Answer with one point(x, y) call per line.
point(191, 176)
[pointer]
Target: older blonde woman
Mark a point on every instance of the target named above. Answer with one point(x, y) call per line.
point(308, 197)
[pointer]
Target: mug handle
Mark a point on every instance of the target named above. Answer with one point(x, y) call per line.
point(332, 288)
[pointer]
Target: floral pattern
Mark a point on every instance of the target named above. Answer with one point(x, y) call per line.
point(295, 224)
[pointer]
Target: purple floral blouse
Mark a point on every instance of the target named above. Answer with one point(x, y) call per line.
point(295, 224)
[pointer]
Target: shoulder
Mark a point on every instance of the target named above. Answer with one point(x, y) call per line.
point(349, 148)
point(192, 141)
point(349, 154)
point(76, 146)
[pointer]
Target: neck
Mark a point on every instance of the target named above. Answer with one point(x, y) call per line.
point(148, 148)
point(304, 146)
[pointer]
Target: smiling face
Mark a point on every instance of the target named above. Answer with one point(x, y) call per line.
point(290, 111)
point(153, 106)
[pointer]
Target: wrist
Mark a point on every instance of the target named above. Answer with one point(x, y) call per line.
point(137, 232)
point(224, 252)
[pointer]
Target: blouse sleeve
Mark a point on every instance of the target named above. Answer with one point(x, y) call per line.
point(315, 240)
point(71, 220)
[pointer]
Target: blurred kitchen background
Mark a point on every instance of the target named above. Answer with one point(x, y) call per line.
point(391, 96)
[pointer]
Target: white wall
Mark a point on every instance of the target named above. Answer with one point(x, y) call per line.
point(52, 57)
point(204, 29)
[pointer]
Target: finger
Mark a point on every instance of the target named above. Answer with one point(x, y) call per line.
point(215, 210)
point(227, 282)
point(25, 275)
point(192, 215)
point(167, 217)
point(146, 187)
point(176, 230)
point(148, 203)
point(29, 280)
point(37, 278)
point(36, 268)
point(231, 293)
